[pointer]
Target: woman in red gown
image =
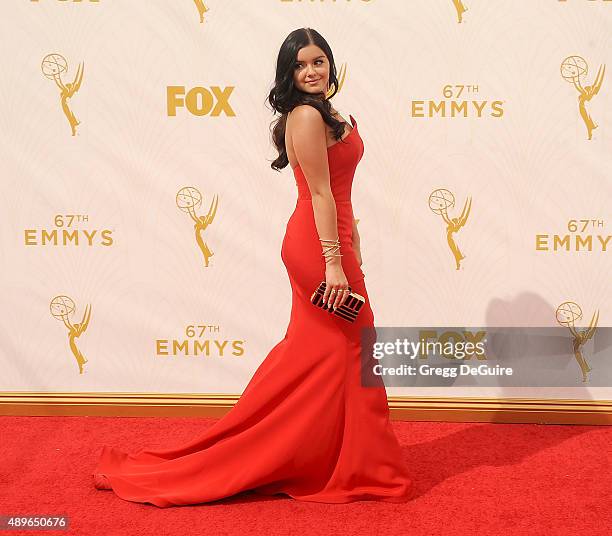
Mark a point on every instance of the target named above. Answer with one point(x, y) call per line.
point(305, 426)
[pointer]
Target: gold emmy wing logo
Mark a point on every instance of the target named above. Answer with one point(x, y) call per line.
point(53, 67)
point(573, 69)
point(61, 308)
point(440, 201)
point(461, 9)
point(568, 313)
point(201, 9)
point(188, 199)
point(341, 77)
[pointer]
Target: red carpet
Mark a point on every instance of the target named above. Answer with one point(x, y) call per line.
point(470, 479)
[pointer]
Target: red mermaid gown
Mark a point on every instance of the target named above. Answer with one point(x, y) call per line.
point(304, 425)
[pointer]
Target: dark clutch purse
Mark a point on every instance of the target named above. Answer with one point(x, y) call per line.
point(348, 310)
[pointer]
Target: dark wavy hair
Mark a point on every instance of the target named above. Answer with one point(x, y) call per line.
point(285, 96)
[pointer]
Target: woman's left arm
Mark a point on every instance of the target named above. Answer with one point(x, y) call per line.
point(357, 242)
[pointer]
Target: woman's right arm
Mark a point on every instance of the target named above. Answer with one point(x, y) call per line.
point(310, 146)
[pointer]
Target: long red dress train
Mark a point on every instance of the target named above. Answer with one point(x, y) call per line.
point(304, 425)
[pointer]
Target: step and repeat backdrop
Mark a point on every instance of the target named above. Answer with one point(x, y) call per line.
point(142, 223)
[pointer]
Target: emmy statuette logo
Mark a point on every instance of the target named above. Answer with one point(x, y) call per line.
point(440, 201)
point(567, 313)
point(61, 308)
point(53, 67)
point(573, 70)
point(188, 199)
point(341, 78)
point(201, 9)
point(461, 9)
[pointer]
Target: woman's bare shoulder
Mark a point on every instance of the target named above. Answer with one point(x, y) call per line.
point(304, 128)
point(304, 124)
point(306, 116)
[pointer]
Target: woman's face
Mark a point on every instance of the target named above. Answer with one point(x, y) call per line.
point(311, 70)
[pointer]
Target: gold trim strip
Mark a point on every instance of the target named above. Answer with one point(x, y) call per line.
point(422, 408)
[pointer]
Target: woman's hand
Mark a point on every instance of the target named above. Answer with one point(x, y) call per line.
point(335, 280)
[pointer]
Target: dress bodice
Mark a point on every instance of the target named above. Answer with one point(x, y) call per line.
point(343, 157)
point(302, 237)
